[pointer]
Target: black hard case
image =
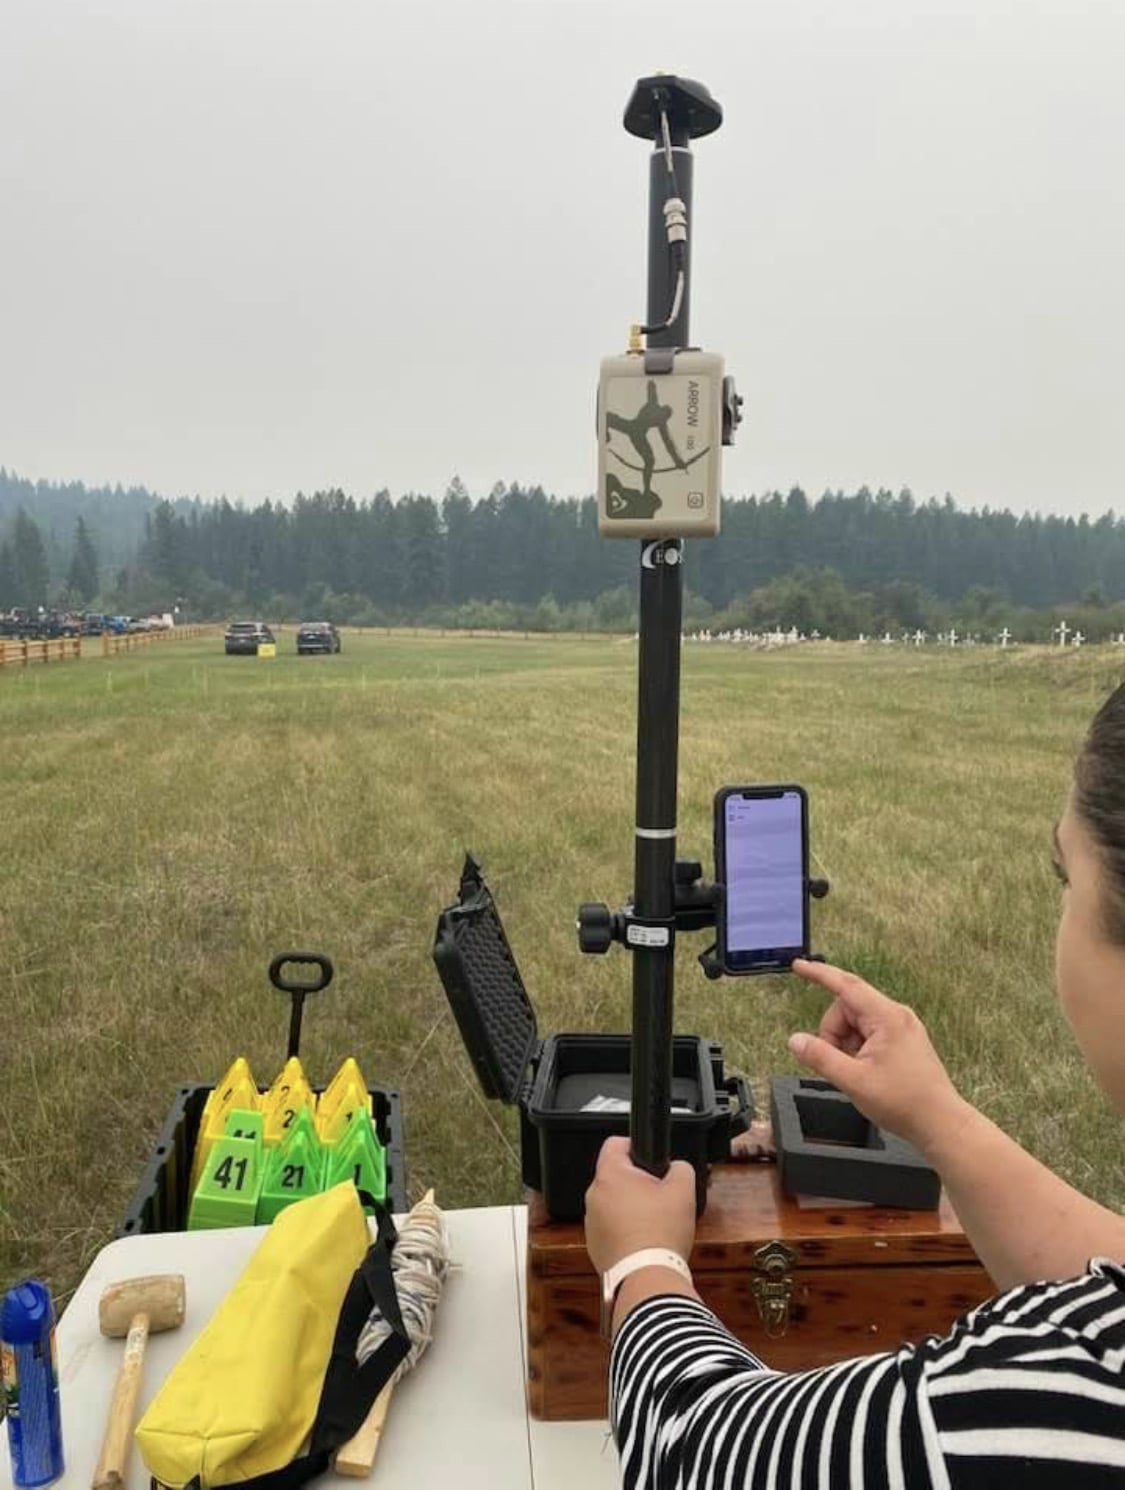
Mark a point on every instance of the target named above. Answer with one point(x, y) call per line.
point(551, 1080)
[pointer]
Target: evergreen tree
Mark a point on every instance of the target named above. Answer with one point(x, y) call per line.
point(167, 555)
point(82, 577)
point(892, 556)
point(457, 522)
point(29, 555)
point(7, 576)
point(381, 569)
point(422, 550)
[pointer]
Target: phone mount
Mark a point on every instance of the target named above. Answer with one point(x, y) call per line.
point(695, 908)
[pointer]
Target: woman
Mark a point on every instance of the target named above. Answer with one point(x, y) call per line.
point(1029, 1389)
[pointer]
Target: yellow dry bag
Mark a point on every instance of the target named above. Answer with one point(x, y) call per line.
point(272, 1386)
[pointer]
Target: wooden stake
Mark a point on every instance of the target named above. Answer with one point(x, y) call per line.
point(356, 1457)
point(358, 1454)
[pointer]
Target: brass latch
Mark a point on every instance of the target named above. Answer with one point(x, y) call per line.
point(774, 1290)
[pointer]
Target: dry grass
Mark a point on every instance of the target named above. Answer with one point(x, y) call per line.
point(170, 821)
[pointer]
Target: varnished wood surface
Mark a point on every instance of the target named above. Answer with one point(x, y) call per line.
point(836, 1313)
point(746, 1208)
point(865, 1280)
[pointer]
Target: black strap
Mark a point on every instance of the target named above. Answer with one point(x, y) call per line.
point(349, 1389)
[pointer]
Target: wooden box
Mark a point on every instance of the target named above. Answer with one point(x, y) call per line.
point(800, 1285)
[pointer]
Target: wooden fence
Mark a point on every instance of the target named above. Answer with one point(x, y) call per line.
point(56, 648)
point(485, 633)
point(112, 643)
point(71, 648)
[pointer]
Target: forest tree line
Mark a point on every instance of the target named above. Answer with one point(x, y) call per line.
point(843, 564)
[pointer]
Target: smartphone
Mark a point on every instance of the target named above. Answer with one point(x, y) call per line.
point(762, 862)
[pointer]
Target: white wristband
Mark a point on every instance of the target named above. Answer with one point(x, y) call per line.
point(647, 1257)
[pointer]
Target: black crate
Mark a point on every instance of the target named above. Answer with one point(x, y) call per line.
point(551, 1081)
point(562, 1146)
point(161, 1199)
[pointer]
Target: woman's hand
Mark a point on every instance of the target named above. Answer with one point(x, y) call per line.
point(756, 1145)
point(627, 1208)
point(879, 1054)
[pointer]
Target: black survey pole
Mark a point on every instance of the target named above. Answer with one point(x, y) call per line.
point(669, 112)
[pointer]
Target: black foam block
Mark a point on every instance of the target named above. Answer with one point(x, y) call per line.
point(825, 1146)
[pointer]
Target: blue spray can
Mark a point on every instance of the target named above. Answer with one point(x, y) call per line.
point(30, 1375)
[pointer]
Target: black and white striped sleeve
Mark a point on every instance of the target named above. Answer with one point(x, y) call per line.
point(1026, 1391)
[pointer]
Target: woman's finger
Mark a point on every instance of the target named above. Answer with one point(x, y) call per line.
point(863, 1003)
point(613, 1156)
point(850, 1043)
point(825, 1060)
point(836, 1024)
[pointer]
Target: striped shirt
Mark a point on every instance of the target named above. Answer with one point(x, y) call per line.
point(1027, 1391)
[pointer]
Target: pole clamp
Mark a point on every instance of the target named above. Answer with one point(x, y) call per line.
point(660, 360)
point(599, 927)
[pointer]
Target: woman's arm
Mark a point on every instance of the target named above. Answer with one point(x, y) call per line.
point(1026, 1390)
point(1032, 1382)
point(1024, 1222)
point(648, 1283)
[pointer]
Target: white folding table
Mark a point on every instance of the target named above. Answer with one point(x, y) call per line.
point(459, 1420)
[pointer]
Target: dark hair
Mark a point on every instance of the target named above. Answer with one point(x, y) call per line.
point(1099, 800)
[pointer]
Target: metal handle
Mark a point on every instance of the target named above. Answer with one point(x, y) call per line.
point(297, 989)
point(309, 959)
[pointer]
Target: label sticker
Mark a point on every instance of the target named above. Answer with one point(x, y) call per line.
point(647, 936)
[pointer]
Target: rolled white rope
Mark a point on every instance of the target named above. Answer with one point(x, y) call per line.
point(419, 1262)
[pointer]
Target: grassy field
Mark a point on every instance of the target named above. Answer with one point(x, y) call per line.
point(171, 819)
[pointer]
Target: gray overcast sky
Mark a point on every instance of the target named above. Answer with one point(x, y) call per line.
point(256, 246)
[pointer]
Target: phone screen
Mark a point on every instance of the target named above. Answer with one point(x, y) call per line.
point(766, 879)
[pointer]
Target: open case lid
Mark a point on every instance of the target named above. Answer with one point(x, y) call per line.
point(484, 988)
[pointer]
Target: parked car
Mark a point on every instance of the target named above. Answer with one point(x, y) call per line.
point(39, 624)
point(317, 636)
point(244, 637)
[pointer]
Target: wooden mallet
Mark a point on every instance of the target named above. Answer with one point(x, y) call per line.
point(135, 1308)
